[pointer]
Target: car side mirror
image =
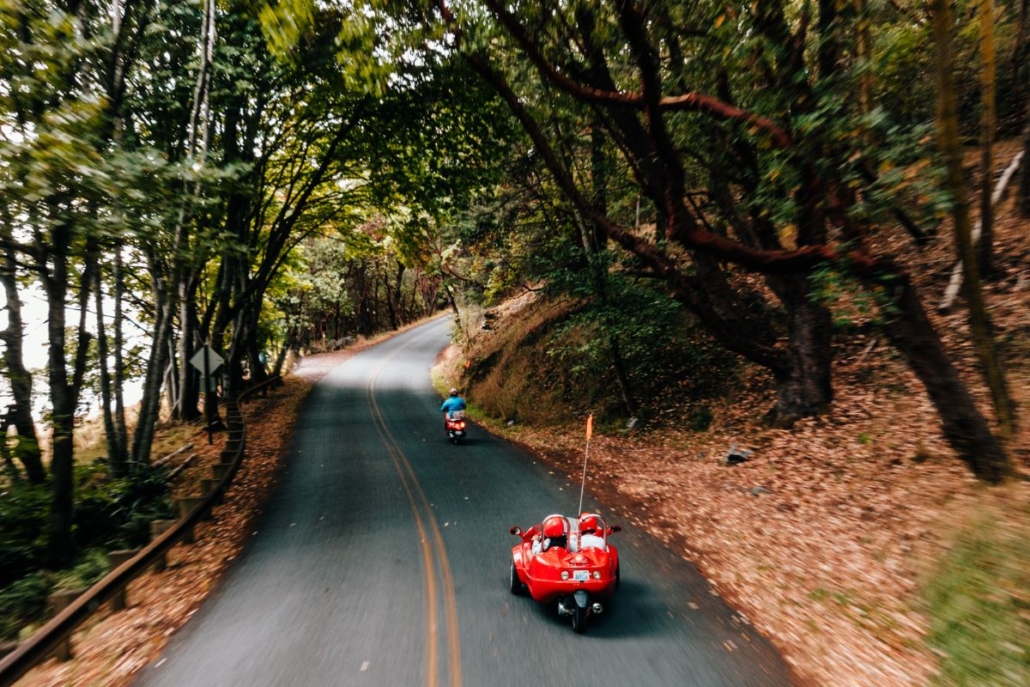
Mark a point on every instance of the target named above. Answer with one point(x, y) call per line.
point(515, 529)
point(614, 529)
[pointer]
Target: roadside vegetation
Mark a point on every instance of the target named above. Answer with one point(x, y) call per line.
point(978, 596)
point(112, 513)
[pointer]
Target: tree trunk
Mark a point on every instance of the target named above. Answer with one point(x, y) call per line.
point(948, 136)
point(618, 362)
point(251, 345)
point(236, 353)
point(64, 399)
point(64, 395)
point(391, 308)
point(171, 379)
point(5, 451)
point(189, 382)
point(150, 405)
point(280, 358)
point(116, 468)
point(803, 385)
point(120, 456)
point(26, 447)
point(911, 332)
point(863, 47)
point(594, 242)
point(987, 117)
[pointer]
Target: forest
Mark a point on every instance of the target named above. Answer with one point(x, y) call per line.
point(702, 184)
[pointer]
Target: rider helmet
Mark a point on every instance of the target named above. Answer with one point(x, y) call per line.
point(454, 392)
point(554, 526)
point(589, 524)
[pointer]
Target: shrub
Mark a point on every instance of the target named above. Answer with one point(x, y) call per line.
point(23, 524)
point(23, 602)
point(85, 572)
point(116, 513)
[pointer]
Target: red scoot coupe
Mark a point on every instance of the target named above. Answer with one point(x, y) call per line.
point(567, 560)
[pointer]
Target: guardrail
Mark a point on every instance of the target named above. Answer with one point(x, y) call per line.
point(55, 636)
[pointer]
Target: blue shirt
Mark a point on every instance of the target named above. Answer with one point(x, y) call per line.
point(452, 403)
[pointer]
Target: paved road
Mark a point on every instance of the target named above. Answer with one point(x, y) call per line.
point(382, 560)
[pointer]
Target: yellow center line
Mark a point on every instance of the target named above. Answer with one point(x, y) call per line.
point(412, 487)
point(450, 600)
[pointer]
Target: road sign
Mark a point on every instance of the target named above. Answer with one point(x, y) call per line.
point(207, 360)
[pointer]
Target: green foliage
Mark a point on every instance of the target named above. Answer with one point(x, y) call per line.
point(701, 419)
point(978, 605)
point(640, 320)
point(903, 62)
point(116, 513)
point(23, 602)
point(23, 512)
point(89, 569)
point(847, 300)
point(903, 69)
point(669, 362)
point(26, 601)
point(109, 514)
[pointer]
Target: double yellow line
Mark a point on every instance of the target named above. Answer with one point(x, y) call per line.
point(431, 540)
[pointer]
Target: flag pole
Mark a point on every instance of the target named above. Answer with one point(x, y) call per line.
point(586, 454)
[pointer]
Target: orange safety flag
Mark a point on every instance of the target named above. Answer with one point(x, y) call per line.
point(590, 426)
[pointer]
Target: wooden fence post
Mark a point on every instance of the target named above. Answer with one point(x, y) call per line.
point(116, 559)
point(157, 528)
point(59, 601)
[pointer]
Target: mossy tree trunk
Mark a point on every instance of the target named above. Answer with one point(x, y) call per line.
point(948, 140)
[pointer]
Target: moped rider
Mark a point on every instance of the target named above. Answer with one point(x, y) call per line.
point(454, 403)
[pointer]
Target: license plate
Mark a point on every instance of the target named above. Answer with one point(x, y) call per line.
point(581, 575)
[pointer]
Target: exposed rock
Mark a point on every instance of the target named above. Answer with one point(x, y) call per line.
point(736, 455)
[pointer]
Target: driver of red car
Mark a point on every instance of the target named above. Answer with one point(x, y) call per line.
point(555, 532)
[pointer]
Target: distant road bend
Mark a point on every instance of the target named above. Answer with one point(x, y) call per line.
point(382, 559)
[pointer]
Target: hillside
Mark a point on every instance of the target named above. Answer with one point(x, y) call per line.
point(856, 541)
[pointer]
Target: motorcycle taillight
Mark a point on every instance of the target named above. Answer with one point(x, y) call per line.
point(460, 424)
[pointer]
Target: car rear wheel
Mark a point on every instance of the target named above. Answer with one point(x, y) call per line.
point(514, 583)
point(579, 620)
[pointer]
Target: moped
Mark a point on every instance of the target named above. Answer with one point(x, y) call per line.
point(454, 425)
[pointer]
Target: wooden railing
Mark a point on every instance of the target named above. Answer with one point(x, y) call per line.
point(55, 636)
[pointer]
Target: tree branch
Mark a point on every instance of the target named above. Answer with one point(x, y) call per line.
point(696, 102)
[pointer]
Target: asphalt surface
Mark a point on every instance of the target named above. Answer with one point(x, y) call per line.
point(382, 559)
